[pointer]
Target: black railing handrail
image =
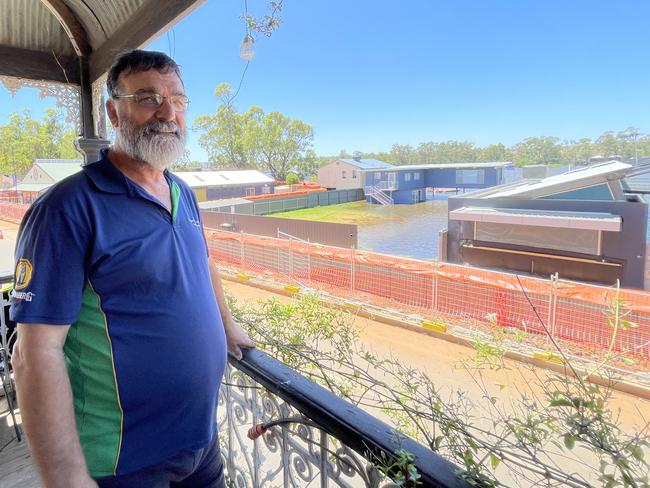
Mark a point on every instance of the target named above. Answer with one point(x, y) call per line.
point(357, 429)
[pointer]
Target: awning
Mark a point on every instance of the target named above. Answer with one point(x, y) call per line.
point(542, 218)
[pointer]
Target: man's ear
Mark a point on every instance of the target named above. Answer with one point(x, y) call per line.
point(111, 110)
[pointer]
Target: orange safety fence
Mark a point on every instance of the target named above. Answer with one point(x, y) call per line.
point(288, 194)
point(11, 210)
point(577, 312)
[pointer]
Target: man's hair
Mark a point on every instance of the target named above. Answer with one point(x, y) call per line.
point(136, 61)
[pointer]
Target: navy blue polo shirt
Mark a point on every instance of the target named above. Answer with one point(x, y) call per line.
point(146, 349)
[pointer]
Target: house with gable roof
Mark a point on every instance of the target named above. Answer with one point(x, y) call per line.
point(344, 174)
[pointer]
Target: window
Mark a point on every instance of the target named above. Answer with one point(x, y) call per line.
point(343, 174)
point(250, 192)
point(470, 176)
point(407, 176)
point(378, 176)
point(266, 189)
point(574, 240)
point(416, 176)
point(354, 173)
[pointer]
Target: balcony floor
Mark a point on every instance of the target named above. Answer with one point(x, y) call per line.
point(16, 469)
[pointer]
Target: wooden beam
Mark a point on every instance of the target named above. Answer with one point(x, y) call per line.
point(71, 25)
point(37, 65)
point(151, 19)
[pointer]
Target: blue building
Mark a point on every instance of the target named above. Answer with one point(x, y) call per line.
point(408, 184)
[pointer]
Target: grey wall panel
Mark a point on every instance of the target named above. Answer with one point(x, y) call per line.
point(627, 246)
point(327, 233)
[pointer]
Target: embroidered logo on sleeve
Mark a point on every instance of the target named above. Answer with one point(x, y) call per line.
point(23, 274)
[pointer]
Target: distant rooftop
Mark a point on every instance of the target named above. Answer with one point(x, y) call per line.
point(584, 177)
point(197, 179)
point(362, 163)
point(481, 165)
point(59, 169)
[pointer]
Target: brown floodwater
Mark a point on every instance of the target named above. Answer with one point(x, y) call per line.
point(405, 230)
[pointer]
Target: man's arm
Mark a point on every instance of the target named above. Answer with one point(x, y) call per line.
point(236, 336)
point(46, 409)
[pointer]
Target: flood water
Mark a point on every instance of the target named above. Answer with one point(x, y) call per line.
point(406, 230)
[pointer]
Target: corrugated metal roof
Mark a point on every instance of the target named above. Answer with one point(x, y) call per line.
point(367, 163)
point(60, 170)
point(197, 179)
point(415, 167)
point(35, 187)
point(28, 24)
point(573, 180)
point(637, 184)
point(209, 204)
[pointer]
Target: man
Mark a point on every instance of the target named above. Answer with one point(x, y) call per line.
point(122, 320)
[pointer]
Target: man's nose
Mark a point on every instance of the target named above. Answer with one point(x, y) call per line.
point(166, 111)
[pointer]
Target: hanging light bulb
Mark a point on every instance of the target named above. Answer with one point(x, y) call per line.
point(247, 48)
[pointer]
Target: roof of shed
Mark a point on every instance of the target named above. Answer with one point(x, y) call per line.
point(60, 169)
point(367, 163)
point(585, 177)
point(197, 179)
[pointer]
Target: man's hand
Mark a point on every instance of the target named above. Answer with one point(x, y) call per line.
point(237, 338)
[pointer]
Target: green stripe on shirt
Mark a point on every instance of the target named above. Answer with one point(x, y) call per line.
point(89, 355)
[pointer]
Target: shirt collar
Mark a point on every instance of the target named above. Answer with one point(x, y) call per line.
point(106, 176)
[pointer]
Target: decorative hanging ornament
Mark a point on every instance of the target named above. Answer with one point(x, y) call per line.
point(247, 48)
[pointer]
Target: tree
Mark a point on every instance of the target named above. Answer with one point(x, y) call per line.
point(224, 133)
point(269, 142)
point(308, 165)
point(495, 152)
point(24, 139)
point(402, 154)
point(609, 145)
point(536, 150)
point(279, 142)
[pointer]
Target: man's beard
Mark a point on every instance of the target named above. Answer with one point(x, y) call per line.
point(147, 145)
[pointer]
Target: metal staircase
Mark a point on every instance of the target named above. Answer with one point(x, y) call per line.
point(378, 194)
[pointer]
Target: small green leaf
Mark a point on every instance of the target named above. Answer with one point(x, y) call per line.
point(637, 452)
point(494, 460)
point(569, 441)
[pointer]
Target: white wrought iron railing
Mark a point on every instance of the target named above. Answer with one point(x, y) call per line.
point(320, 440)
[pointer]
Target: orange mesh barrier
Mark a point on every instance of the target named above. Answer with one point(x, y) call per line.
point(13, 211)
point(576, 312)
point(289, 194)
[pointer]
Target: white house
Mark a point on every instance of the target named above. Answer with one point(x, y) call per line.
point(344, 174)
point(46, 172)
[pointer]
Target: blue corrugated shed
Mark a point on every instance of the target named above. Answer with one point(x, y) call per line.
point(367, 163)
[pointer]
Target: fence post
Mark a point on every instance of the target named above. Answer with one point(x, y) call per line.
point(277, 243)
point(352, 273)
point(242, 251)
point(290, 258)
point(309, 262)
point(552, 306)
point(434, 288)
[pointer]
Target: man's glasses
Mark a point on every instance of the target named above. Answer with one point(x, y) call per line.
point(155, 100)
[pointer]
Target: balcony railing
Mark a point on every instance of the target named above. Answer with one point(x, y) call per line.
point(328, 443)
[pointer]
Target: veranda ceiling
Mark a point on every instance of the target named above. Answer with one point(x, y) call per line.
point(52, 40)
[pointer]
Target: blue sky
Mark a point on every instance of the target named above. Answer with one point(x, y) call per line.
point(368, 74)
